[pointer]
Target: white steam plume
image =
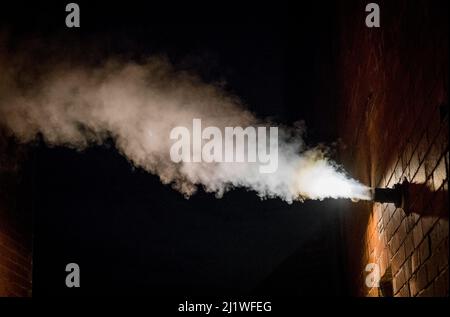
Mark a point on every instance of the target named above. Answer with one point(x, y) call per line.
point(138, 105)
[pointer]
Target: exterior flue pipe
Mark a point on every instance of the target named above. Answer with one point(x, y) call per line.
point(396, 195)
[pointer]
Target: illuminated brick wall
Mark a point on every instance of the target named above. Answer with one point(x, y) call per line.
point(15, 228)
point(395, 125)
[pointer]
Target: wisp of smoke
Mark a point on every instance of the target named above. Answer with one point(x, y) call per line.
point(137, 104)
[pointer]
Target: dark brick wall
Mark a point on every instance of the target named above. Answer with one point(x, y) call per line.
point(15, 224)
point(394, 92)
point(15, 262)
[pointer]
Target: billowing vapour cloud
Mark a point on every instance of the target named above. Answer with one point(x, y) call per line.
point(138, 104)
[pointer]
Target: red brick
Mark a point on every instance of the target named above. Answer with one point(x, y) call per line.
point(398, 260)
point(393, 140)
point(407, 267)
point(437, 234)
point(401, 231)
point(422, 148)
point(389, 229)
point(405, 163)
point(413, 286)
point(424, 250)
point(385, 219)
point(447, 163)
point(15, 264)
point(409, 245)
point(397, 219)
point(394, 244)
point(389, 211)
point(12, 244)
point(4, 291)
point(439, 174)
point(404, 292)
point(398, 281)
point(417, 235)
point(377, 212)
point(415, 261)
point(12, 276)
point(442, 255)
point(432, 267)
point(420, 175)
point(413, 167)
point(441, 284)
point(13, 255)
point(384, 260)
point(441, 141)
point(421, 278)
point(398, 173)
point(427, 223)
point(373, 292)
point(428, 292)
point(443, 223)
point(411, 220)
point(18, 269)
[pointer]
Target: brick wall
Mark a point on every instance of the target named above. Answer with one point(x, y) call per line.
point(15, 225)
point(394, 92)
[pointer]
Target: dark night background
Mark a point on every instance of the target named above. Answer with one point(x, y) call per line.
point(132, 235)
